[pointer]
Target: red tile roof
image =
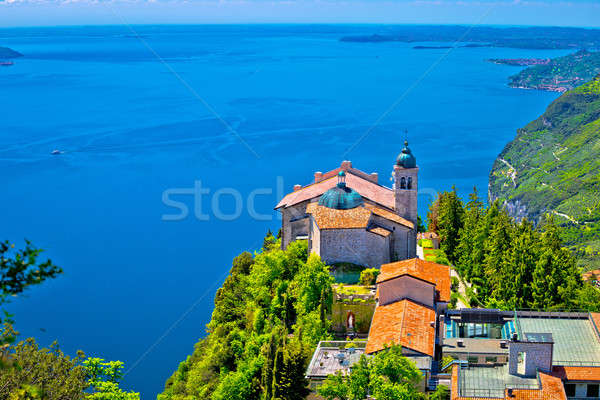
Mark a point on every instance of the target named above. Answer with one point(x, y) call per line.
point(428, 271)
point(551, 389)
point(359, 217)
point(355, 179)
point(404, 322)
point(590, 374)
point(330, 218)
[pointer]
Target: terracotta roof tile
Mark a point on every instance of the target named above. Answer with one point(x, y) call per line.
point(551, 389)
point(379, 230)
point(428, 271)
point(389, 215)
point(366, 188)
point(591, 374)
point(359, 217)
point(330, 218)
point(404, 322)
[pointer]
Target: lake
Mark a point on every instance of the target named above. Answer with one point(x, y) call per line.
point(141, 148)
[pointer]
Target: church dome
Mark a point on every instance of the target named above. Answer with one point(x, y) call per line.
point(341, 197)
point(406, 159)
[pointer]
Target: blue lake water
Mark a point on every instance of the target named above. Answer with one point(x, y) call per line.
point(140, 289)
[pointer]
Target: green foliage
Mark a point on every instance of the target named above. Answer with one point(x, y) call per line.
point(269, 315)
point(369, 276)
point(552, 167)
point(20, 269)
point(387, 375)
point(514, 265)
point(440, 393)
point(31, 372)
point(446, 219)
point(560, 73)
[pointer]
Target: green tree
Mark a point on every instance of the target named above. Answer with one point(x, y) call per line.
point(20, 269)
point(474, 212)
point(387, 375)
point(441, 393)
point(104, 377)
point(40, 373)
point(450, 222)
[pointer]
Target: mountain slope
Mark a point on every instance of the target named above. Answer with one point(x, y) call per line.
point(553, 165)
point(560, 74)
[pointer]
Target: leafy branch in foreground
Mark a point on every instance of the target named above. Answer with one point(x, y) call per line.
point(20, 269)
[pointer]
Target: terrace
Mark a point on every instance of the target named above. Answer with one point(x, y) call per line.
point(334, 356)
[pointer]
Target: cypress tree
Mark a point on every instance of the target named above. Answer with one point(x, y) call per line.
point(267, 370)
point(450, 222)
point(474, 211)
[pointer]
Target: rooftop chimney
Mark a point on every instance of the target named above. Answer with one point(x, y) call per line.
point(346, 165)
point(318, 176)
point(374, 177)
point(297, 187)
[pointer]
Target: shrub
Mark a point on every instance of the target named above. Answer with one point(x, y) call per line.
point(369, 276)
point(455, 283)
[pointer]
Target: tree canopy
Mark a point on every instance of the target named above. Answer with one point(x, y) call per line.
point(269, 316)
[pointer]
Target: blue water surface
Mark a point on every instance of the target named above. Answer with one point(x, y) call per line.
point(139, 288)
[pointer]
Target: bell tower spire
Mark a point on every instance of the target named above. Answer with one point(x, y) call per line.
point(406, 186)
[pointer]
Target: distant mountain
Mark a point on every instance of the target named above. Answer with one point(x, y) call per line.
point(553, 165)
point(5, 53)
point(559, 74)
point(482, 36)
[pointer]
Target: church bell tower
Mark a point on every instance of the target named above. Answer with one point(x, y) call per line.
point(406, 185)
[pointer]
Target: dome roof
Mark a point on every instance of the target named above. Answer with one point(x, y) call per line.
point(341, 197)
point(406, 159)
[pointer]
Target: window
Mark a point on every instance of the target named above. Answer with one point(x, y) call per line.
point(491, 359)
point(570, 389)
point(409, 185)
point(472, 359)
point(403, 183)
point(592, 390)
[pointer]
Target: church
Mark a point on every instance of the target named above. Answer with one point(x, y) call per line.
point(348, 217)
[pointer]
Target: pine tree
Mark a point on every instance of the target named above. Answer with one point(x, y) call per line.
point(450, 221)
point(474, 212)
point(267, 370)
point(478, 253)
point(497, 247)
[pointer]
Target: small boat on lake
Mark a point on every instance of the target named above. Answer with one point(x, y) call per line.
point(6, 63)
point(56, 152)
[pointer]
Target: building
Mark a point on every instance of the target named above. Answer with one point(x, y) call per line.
point(409, 295)
point(348, 217)
point(522, 354)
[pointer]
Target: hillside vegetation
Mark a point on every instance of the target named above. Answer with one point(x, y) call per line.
point(269, 316)
point(552, 166)
point(559, 74)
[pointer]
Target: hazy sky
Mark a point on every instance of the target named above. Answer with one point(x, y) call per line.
point(584, 13)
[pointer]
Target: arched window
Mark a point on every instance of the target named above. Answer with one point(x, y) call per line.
point(409, 186)
point(403, 183)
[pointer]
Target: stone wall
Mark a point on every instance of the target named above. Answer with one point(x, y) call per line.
point(537, 356)
point(356, 246)
point(363, 314)
point(292, 229)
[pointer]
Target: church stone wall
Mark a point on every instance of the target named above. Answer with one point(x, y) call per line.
point(292, 229)
point(314, 237)
point(356, 246)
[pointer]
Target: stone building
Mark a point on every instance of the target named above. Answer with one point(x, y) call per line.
point(347, 216)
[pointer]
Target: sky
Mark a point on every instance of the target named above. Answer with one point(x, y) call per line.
point(24, 13)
